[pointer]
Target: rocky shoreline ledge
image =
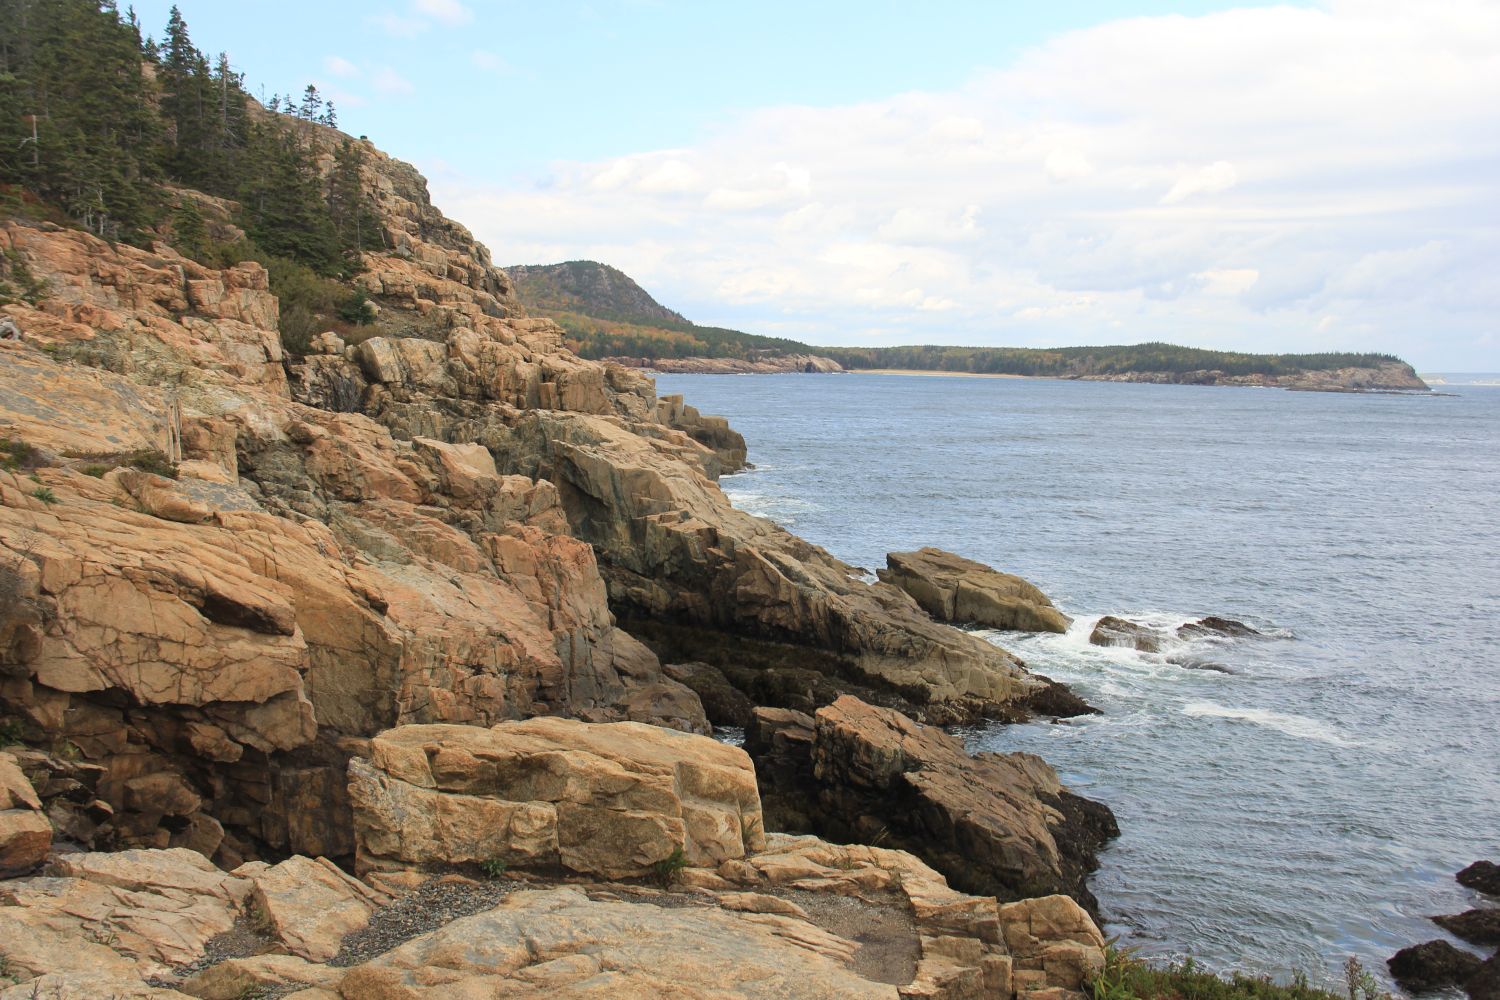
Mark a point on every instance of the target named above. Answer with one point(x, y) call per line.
point(1392, 377)
point(387, 669)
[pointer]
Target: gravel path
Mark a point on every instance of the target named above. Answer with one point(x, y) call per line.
point(414, 914)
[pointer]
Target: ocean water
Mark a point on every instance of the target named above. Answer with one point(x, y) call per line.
point(1310, 796)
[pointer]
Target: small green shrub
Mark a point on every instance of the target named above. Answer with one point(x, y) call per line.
point(669, 868)
point(17, 455)
point(1126, 977)
point(11, 731)
point(45, 495)
point(154, 462)
point(356, 309)
point(95, 470)
point(18, 283)
point(1360, 983)
point(493, 868)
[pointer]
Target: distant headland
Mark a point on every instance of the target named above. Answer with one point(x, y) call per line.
point(607, 315)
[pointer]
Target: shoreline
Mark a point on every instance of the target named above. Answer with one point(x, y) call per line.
point(938, 374)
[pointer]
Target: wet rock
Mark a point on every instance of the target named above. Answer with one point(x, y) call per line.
point(1483, 876)
point(1216, 626)
point(953, 589)
point(1433, 965)
point(1485, 983)
point(1474, 926)
point(1112, 631)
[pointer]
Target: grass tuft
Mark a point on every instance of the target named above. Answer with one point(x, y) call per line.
point(669, 868)
point(1126, 977)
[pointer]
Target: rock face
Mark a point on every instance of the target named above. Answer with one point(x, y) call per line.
point(25, 833)
point(951, 588)
point(609, 800)
point(998, 824)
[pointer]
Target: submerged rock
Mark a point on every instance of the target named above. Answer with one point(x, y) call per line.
point(951, 588)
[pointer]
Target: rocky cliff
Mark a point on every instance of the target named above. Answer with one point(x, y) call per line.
point(1390, 376)
point(226, 566)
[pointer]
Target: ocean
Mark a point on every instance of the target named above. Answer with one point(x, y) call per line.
point(1284, 802)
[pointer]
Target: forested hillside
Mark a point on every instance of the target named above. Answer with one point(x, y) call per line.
point(137, 140)
point(608, 315)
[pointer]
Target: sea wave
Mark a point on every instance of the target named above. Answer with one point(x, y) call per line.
point(1299, 726)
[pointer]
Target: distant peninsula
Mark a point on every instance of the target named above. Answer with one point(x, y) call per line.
point(608, 316)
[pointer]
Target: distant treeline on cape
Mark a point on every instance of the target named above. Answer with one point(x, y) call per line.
point(607, 315)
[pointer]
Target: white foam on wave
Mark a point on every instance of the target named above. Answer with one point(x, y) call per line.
point(782, 510)
point(1299, 726)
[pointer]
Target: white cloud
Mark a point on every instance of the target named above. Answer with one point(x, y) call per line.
point(340, 67)
point(399, 25)
point(1216, 177)
point(1229, 180)
point(387, 81)
point(420, 15)
point(447, 12)
point(488, 61)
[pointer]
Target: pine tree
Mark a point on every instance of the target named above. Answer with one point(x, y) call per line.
point(189, 231)
point(312, 104)
point(346, 198)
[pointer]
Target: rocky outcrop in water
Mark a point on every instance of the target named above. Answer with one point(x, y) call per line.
point(1482, 876)
point(951, 588)
point(1433, 965)
point(998, 824)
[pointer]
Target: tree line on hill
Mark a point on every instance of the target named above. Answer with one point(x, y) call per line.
point(593, 337)
point(108, 130)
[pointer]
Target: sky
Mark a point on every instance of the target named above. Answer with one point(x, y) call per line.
point(1268, 177)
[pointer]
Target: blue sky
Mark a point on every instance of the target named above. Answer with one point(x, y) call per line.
point(1310, 176)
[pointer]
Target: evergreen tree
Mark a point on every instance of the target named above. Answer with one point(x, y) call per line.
point(285, 212)
point(189, 231)
point(346, 198)
point(311, 108)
